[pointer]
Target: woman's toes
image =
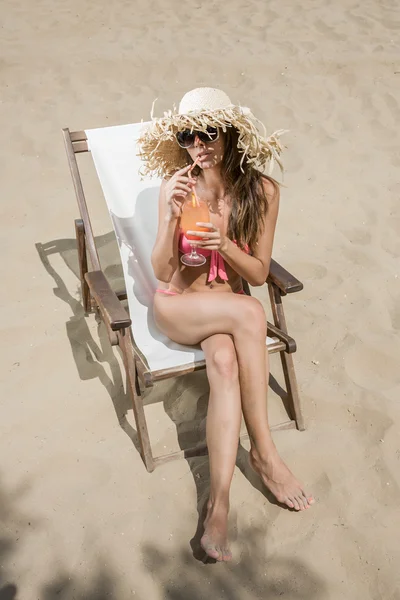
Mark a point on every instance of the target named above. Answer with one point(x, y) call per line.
point(295, 503)
point(210, 549)
point(226, 555)
point(308, 500)
point(214, 553)
point(289, 503)
point(303, 502)
point(300, 503)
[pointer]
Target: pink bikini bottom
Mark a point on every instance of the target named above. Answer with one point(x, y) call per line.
point(169, 293)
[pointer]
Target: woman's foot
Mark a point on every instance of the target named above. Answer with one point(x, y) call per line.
point(280, 481)
point(215, 539)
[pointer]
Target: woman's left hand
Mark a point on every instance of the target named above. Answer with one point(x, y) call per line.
point(211, 240)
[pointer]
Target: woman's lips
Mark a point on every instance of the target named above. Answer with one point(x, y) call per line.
point(203, 155)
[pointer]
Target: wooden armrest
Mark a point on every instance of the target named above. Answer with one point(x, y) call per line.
point(286, 282)
point(107, 301)
point(281, 335)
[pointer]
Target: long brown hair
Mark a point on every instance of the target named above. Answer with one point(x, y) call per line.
point(245, 188)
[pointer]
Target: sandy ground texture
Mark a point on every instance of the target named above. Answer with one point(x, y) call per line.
point(80, 517)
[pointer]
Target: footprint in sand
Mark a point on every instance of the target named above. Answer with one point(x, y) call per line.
point(329, 33)
point(363, 24)
point(309, 272)
point(359, 235)
point(394, 312)
point(390, 242)
point(359, 257)
point(371, 367)
point(375, 423)
point(393, 106)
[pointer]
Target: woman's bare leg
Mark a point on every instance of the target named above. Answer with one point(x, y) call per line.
point(264, 456)
point(223, 426)
point(189, 319)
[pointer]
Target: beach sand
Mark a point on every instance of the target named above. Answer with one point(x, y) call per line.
point(80, 518)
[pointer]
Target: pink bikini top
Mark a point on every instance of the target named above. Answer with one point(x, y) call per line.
point(217, 266)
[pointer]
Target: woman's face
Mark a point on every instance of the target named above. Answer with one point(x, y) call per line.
point(210, 153)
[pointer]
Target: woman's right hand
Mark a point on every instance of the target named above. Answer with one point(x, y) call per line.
point(176, 190)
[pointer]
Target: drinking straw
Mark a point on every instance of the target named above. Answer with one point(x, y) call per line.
point(195, 200)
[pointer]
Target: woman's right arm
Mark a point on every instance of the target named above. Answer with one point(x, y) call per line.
point(165, 255)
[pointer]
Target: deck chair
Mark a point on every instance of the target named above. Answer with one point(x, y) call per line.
point(148, 355)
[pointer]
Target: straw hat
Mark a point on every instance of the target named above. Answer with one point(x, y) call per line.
point(198, 109)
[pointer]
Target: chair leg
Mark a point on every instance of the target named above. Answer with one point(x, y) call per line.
point(287, 359)
point(83, 267)
point(125, 343)
point(292, 389)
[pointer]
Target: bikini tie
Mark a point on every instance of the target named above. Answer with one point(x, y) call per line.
point(217, 267)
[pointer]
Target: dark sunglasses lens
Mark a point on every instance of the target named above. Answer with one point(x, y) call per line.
point(185, 138)
point(212, 133)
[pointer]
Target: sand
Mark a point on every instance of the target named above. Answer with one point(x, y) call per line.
point(80, 518)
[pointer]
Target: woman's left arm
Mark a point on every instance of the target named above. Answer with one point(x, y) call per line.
point(254, 269)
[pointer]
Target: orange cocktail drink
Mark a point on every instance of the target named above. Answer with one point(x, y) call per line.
point(194, 210)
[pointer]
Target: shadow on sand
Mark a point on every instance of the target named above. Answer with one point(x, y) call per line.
point(175, 573)
point(255, 575)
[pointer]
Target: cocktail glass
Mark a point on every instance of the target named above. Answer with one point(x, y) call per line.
point(194, 210)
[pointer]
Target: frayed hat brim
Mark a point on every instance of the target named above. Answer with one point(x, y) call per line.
point(162, 155)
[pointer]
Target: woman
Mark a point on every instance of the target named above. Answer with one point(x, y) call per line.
point(206, 305)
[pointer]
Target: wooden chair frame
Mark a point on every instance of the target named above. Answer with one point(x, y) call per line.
point(97, 295)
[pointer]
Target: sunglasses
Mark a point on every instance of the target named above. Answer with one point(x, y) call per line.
point(186, 138)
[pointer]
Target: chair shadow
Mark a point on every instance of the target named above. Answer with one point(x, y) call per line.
point(88, 355)
point(191, 434)
point(89, 359)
